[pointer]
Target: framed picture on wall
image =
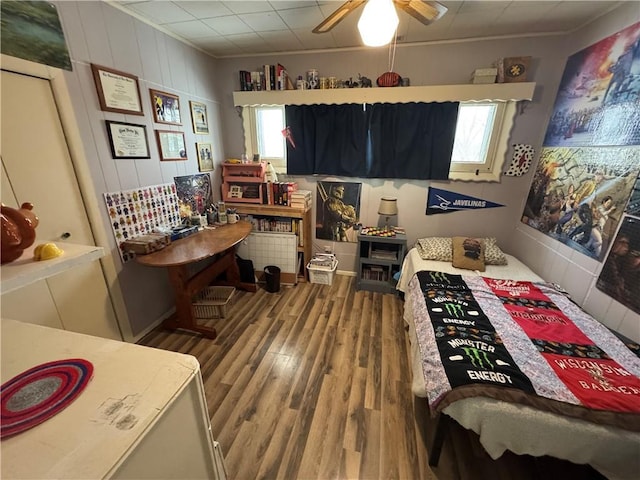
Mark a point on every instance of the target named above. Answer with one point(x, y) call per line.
point(166, 107)
point(127, 140)
point(117, 91)
point(199, 117)
point(205, 157)
point(171, 145)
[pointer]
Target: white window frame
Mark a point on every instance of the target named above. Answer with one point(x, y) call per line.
point(251, 143)
point(489, 171)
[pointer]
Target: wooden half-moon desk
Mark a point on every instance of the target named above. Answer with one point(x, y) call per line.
point(194, 248)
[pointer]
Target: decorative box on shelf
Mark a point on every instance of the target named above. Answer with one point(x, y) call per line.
point(242, 182)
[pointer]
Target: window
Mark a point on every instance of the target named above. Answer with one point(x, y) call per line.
point(263, 127)
point(480, 145)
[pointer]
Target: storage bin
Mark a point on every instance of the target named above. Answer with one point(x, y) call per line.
point(321, 274)
point(212, 302)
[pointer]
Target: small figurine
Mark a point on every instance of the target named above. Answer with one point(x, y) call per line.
point(364, 82)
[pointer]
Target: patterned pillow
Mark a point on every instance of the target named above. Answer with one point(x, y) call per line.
point(440, 248)
point(435, 248)
point(468, 253)
point(492, 253)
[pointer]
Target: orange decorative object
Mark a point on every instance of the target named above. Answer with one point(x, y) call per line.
point(18, 231)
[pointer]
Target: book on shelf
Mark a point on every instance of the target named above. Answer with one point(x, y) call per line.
point(268, 77)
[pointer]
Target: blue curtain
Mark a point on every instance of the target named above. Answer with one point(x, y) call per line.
point(407, 140)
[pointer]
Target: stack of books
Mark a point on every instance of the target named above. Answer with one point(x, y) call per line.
point(300, 199)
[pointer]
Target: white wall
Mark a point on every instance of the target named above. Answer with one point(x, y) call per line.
point(558, 263)
point(445, 63)
point(99, 33)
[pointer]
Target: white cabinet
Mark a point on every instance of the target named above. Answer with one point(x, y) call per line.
point(166, 434)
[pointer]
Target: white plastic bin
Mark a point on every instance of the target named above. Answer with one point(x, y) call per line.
point(322, 273)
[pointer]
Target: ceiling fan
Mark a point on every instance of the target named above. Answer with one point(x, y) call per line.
point(424, 11)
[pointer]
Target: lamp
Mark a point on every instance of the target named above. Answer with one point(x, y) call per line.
point(378, 22)
point(388, 207)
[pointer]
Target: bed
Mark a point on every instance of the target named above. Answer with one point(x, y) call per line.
point(528, 423)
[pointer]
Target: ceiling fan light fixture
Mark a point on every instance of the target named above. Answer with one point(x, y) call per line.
point(378, 23)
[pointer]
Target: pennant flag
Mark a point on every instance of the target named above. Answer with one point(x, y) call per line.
point(443, 201)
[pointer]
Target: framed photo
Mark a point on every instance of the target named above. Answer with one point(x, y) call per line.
point(205, 157)
point(199, 117)
point(117, 91)
point(171, 145)
point(127, 140)
point(166, 107)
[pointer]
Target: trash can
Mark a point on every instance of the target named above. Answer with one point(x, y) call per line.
point(272, 277)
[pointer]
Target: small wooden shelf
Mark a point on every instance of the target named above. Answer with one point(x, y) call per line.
point(281, 211)
point(379, 258)
point(25, 270)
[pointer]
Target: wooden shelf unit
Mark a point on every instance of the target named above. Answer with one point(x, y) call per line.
point(281, 211)
point(247, 176)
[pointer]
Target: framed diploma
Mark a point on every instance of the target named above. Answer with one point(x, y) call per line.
point(117, 91)
point(171, 145)
point(127, 140)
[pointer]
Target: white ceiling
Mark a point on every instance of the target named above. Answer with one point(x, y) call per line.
point(244, 27)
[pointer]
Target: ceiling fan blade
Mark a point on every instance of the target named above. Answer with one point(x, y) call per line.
point(422, 10)
point(335, 18)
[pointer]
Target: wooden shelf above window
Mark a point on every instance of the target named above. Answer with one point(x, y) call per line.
point(430, 93)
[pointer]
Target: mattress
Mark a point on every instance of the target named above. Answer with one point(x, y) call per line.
point(519, 428)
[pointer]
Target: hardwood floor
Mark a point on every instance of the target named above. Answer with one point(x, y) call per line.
point(313, 382)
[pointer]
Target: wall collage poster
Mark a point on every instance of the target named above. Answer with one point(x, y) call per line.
point(138, 211)
point(587, 175)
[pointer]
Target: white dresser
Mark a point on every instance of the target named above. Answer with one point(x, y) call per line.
point(143, 415)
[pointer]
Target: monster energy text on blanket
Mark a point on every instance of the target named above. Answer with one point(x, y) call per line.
point(509, 340)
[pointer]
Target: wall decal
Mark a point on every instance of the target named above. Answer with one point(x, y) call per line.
point(138, 211)
point(521, 161)
point(444, 201)
point(591, 158)
point(620, 275)
point(597, 102)
point(578, 194)
point(338, 210)
point(32, 30)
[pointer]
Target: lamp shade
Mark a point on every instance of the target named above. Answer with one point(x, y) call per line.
point(388, 206)
point(378, 23)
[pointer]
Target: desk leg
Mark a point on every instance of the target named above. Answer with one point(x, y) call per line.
point(184, 318)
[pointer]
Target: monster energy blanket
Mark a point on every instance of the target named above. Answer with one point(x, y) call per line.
point(521, 342)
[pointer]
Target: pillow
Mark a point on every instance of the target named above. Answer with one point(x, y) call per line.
point(434, 248)
point(439, 248)
point(492, 253)
point(468, 253)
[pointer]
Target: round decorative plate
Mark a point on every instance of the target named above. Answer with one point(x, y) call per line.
point(36, 395)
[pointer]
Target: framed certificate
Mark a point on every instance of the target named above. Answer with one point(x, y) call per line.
point(171, 145)
point(127, 140)
point(117, 91)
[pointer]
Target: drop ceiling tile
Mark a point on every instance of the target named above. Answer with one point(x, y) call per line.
point(230, 25)
point(202, 10)
point(307, 17)
point(245, 39)
point(245, 6)
point(312, 40)
point(471, 6)
point(263, 22)
point(190, 30)
point(161, 12)
point(284, 40)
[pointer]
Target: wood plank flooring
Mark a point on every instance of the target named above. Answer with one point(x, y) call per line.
point(313, 382)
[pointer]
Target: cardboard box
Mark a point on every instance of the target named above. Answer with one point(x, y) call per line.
point(513, 69)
